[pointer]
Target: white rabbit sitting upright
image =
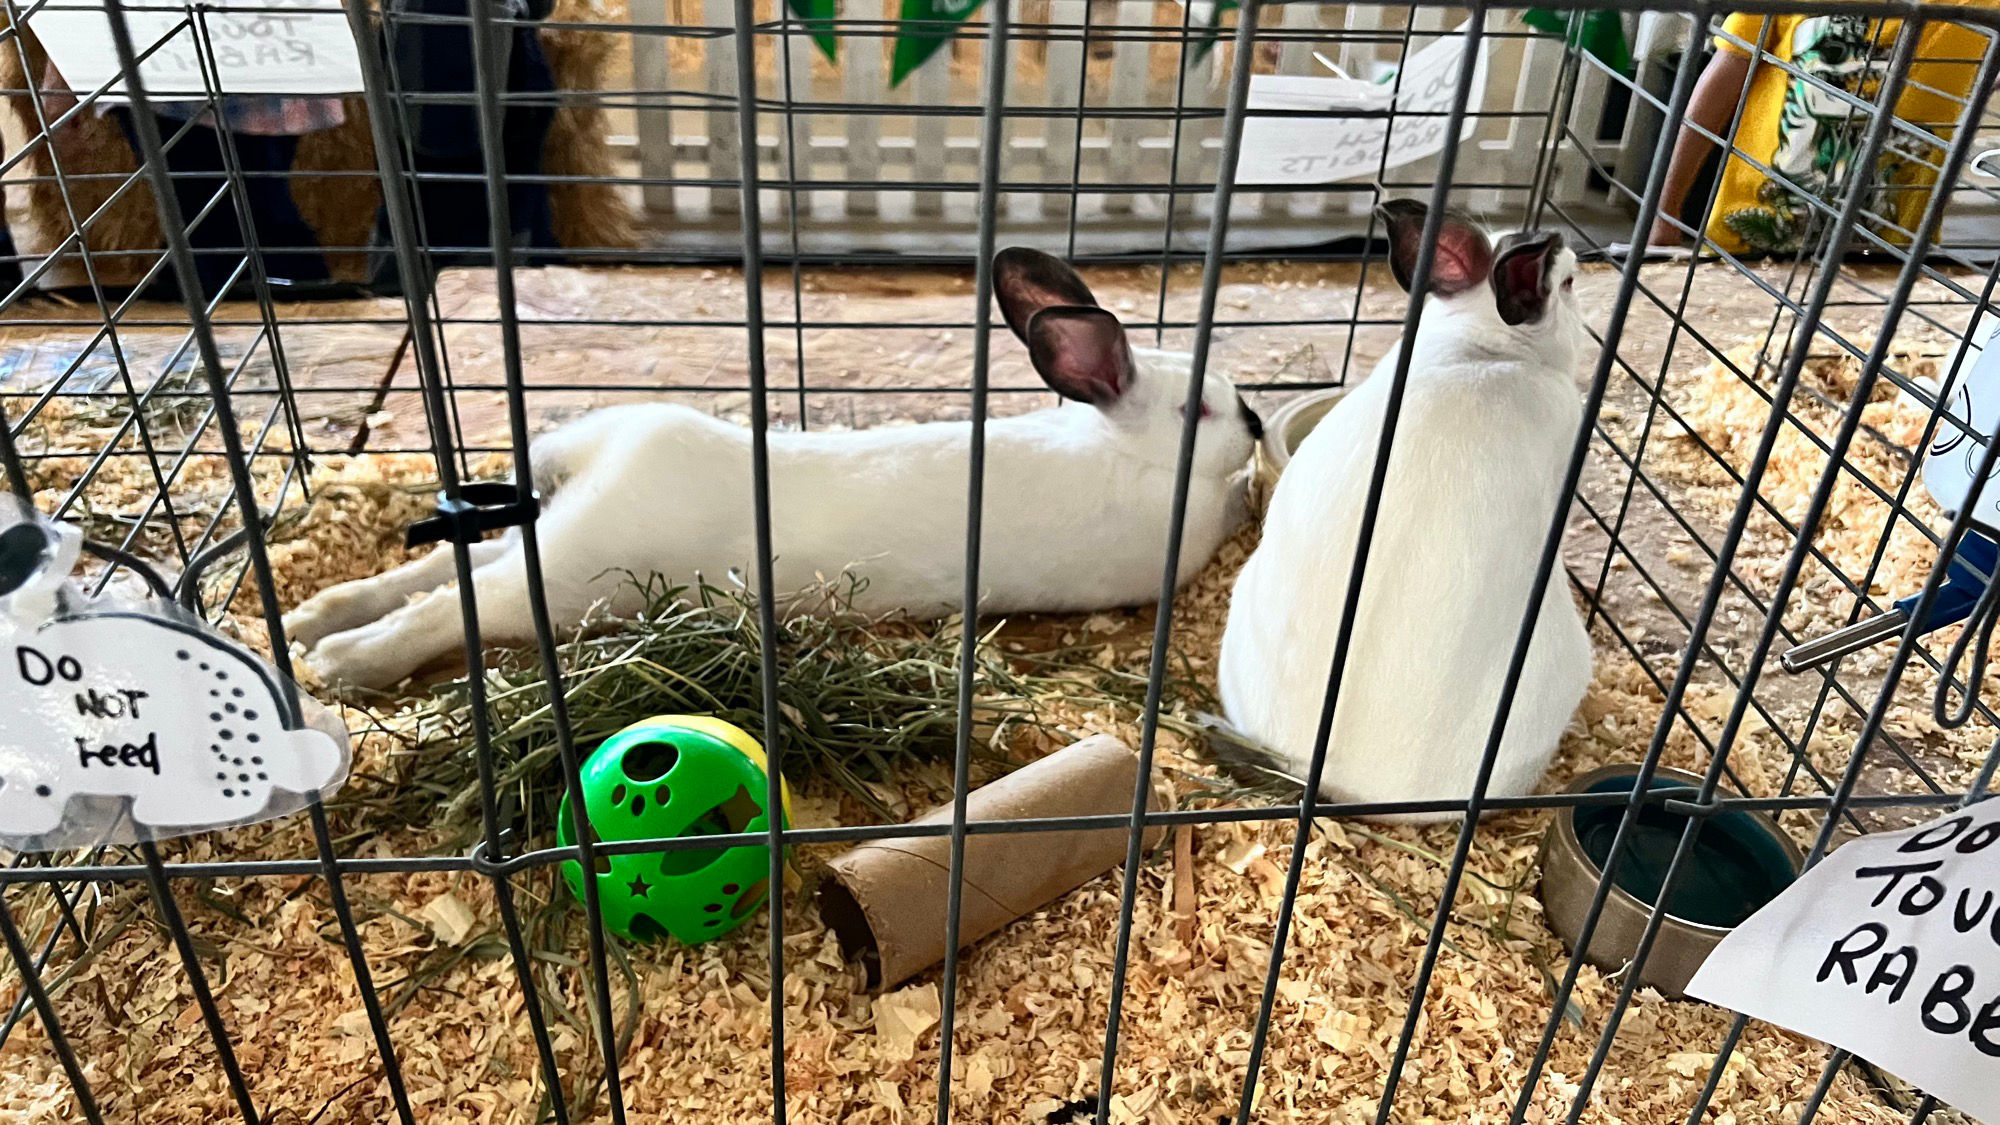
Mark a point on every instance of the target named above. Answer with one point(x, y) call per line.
point(1489, 413)
point(1076, 509)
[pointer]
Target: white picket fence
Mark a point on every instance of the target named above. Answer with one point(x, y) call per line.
point(854, 143)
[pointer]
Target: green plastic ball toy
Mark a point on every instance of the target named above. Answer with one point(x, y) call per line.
point(669, 777)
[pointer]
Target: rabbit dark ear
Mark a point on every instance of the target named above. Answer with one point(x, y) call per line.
point(24, 549)
point(1028, 281)
point(1521, 275)
point(1081, 353)
point(1463, 259)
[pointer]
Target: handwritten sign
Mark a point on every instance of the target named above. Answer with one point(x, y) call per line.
point(1890, 948)
point(186, 725)
point(1339, 146)
point(258, 47)
point(1972, 412)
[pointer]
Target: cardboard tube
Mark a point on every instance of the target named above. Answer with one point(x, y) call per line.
point(886, 899)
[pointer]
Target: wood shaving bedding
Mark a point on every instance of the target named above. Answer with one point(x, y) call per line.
point(1031, 1005)
point(1727, 412)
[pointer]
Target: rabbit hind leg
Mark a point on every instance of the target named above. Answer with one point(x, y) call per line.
point(389, 650)
point(350, 605)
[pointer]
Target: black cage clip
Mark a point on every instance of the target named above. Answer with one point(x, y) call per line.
point(477, 509)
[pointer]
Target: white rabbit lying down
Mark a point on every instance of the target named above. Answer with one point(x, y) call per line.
point(1489, 413)
point(1076, 511)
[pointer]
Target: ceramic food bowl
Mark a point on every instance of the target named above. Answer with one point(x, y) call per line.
point(1741, 861)
point(1286, 428)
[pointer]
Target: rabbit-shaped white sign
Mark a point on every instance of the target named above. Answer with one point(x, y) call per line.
point(1971, 413)
point(132, 720)
point(122, 704)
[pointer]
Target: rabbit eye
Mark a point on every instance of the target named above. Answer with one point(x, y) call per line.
point(1206, 411)
point(1569, 283)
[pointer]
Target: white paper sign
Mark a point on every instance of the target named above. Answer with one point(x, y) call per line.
point(1323, 150)
point(260, 47)
point(188, 725)
point(1973, 405)
point(1890, 948)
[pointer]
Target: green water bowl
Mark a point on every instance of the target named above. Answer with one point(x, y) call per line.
point(1741, 861)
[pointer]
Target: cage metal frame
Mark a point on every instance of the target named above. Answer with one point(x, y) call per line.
point(498, 857)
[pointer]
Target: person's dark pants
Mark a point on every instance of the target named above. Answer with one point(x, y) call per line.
point(455, 217)
point(11, 271)
point(454, 223)
point(289, 249)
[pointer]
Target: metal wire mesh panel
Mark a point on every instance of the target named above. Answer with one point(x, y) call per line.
point(749, 256)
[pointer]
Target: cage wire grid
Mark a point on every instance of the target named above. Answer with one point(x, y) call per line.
point(1930, 283)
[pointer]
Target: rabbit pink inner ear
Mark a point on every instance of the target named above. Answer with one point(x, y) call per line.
point(1521, 276)
point(1027, 281)
point(1081, 353)
point(1463, 257)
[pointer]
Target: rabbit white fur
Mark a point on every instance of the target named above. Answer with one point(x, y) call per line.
point(1488, 416)
point(1076, 502)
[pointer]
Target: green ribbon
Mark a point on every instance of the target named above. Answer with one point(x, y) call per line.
point(818, 16)
point(915, 45)
point(1600, 32)
point(1210, 35)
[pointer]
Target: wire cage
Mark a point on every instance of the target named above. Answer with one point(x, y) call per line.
point(751, 208)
